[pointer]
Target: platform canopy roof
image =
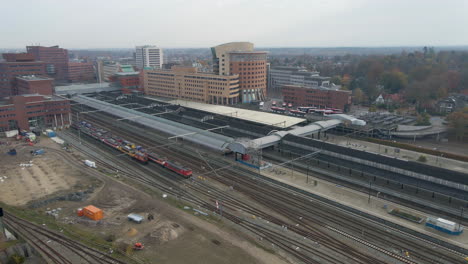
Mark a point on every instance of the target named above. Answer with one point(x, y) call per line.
point(280, 121)
point(199, 136)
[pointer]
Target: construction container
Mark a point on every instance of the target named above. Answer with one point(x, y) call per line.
point(50, 133)
point(12, 152)
point(89, 163)
point(135, 218)
point(37, 152)
point(93, 213)
point(11, 133)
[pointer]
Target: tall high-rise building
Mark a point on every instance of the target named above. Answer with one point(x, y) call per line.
point(149, 56)
point(251, 66)
point(17, 64)
point(56, 60)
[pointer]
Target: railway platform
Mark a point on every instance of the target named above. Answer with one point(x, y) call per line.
point(397, 152)
point(375, 205)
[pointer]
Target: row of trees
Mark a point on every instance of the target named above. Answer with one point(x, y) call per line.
point(421, 77)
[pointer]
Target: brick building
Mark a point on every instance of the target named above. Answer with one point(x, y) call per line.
point(55, 58)
point(34, 110)
point(127, 81)
point(188, 84)
point(318, 96)
point(79, 72)
point(32, 84)
point(17, 64)
point(251, 66)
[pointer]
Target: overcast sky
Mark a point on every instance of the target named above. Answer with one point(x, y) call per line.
point(205, 23)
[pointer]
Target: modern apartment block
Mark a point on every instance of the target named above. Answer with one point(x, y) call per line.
point(251, 66)
point(17, 64)
point(280, 76)
point(188, 84)
point(34, 110)
point(79, 72)
point(55, 58)
point(316, 96)
point(148, 57)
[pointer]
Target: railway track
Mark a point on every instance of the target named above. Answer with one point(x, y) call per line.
point(254, 228)
point(251, 210)
point(56, 247)
point(237, 204)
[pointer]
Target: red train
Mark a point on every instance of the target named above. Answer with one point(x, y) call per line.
point(128, 148)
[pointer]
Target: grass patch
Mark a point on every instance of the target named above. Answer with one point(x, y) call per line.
point(405, 215)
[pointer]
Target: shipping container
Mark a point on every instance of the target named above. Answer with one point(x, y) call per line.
point(93, 213)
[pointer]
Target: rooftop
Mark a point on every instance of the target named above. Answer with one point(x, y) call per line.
point(127, 73)
point(280, 121)
point(84, 88)
point(34, 78)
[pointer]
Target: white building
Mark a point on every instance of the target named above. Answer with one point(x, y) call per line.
point(149, 56)
point(282, 75)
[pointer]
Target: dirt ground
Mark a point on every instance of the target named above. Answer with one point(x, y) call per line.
point(25, 178)
point(173, 236)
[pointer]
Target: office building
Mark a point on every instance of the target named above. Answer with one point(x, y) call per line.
point(32, 84)
point(189, 84)
point(109, 69)
point(55, 58)
point(280, 76)
point(148, 57)
point(17, 64)
point(251, 66)
point(33, 110)
point(128, 82)
point(316, 96)
point(81, 72)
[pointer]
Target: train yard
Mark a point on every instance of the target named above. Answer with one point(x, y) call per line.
point(434, 196)
point(299, 226)
point(299, 221)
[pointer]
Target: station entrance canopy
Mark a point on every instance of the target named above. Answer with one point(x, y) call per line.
point(275, 137)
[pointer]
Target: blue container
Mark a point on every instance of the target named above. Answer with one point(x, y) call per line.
point(51, 134)
point(38, 152)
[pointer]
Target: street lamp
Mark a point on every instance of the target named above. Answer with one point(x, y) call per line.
point(370, 187)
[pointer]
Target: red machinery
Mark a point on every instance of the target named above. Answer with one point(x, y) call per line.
point(138, 246)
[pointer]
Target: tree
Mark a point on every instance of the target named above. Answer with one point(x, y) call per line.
point(423, 120)
point(336, 80)
point(358, 96)
point(458, 122)
point(394, 81)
